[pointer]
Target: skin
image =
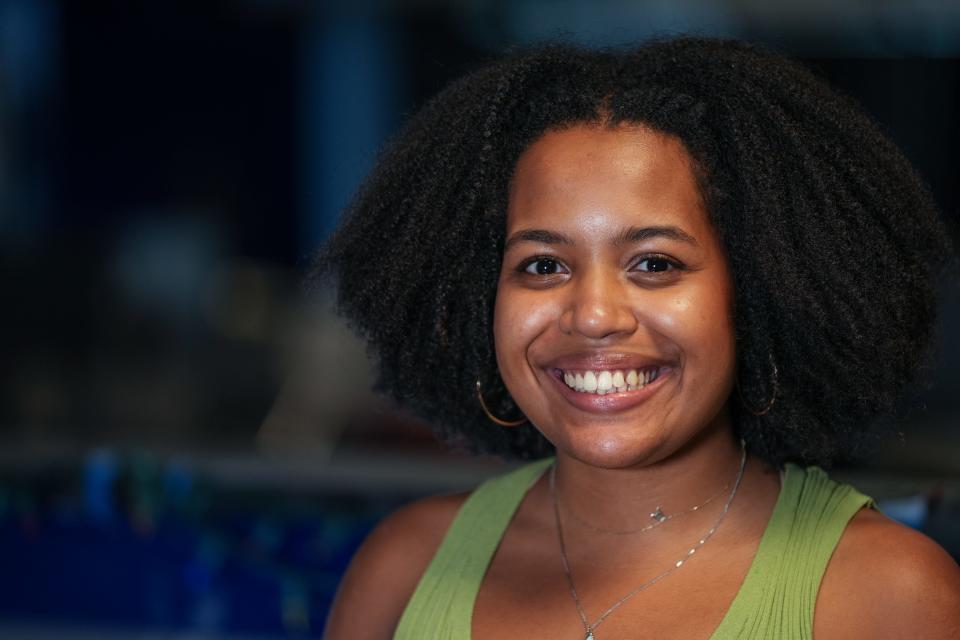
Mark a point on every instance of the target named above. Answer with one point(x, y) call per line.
point(576, 198)
point(581, 288)
point(611, 260)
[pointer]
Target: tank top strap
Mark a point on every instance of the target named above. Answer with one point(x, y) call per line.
point(441, 607)
point(778, 595)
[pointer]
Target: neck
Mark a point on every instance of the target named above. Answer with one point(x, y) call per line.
point(622, 499)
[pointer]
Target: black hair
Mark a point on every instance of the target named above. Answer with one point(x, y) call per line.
point(834, 241)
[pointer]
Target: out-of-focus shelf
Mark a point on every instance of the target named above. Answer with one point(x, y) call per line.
point(344, 471)
point(922, 468)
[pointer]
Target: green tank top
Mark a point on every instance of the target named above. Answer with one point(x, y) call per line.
point(775, 600)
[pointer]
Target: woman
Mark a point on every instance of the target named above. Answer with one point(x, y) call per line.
point(687, 271)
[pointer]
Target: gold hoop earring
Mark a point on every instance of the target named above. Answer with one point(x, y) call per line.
point(493, 418)
point(774, 383)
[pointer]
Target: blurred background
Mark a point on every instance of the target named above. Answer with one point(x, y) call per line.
point(188, 444)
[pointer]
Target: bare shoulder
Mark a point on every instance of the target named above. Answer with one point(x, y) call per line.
point(886, 580)
point(386, 569)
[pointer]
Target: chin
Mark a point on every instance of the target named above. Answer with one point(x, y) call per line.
point(606, 448)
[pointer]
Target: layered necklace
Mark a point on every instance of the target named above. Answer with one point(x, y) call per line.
point(659, 517)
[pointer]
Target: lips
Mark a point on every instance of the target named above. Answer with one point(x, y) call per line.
point(608, 382)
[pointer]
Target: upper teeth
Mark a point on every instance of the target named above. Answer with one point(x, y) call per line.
point(605, 381)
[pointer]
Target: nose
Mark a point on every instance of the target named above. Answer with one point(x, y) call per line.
point(599, 306)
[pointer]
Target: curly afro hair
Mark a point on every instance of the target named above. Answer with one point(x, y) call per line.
point(834, 241)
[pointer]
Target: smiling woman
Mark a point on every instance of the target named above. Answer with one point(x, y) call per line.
point(667, 274)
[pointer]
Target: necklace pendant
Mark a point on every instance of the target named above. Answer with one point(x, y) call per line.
point(658, 515)
point(589, 636)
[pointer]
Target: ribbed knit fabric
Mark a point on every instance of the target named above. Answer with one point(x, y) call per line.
point(776, 599)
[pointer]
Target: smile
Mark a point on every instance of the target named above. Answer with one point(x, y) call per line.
point(604, 381)
point(609, 391)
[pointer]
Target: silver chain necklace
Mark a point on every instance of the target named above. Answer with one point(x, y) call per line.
point(590, 628)
point(657, 515)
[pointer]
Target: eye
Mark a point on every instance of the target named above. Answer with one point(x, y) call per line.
point(657, 264)
point(543, 267)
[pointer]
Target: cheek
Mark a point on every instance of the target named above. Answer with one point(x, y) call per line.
point(519, 318)
point(508, 320)
point(699, 322)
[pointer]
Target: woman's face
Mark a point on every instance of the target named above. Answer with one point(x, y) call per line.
point(613, 322)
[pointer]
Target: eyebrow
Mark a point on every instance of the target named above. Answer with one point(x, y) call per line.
point(639, 234)
point(631, 234)
point(541, 236)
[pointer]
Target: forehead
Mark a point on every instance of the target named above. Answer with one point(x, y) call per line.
point(594, 176)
